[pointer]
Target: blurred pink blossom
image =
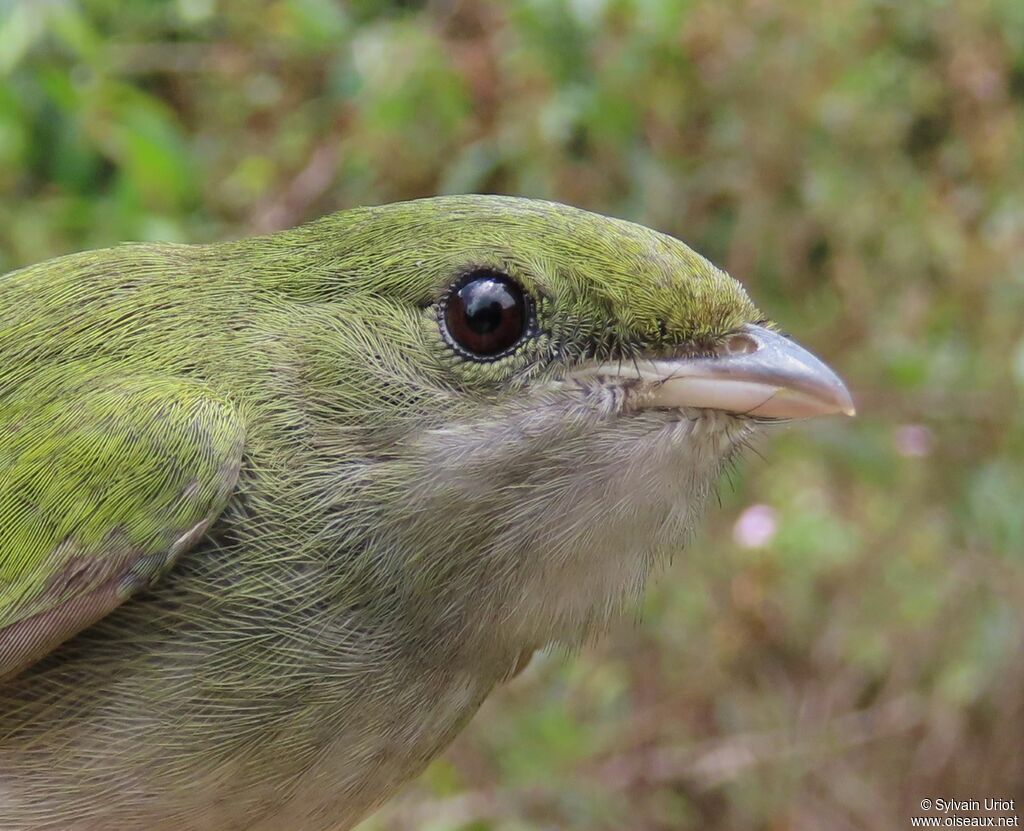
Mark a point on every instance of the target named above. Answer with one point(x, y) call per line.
point(755, 527)
point(913, 440)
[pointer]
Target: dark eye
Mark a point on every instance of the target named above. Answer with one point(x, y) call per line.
point(486, 313)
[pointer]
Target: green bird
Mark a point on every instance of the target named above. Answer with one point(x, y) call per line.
point(276, 515)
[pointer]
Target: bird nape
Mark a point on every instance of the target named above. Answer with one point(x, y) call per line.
point(278, 514)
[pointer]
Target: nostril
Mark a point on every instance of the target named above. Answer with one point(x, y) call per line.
point(738, 344)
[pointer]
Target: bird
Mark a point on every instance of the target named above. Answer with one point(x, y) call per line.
point(277, 514)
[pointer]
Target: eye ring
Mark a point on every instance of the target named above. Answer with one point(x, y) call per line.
point(486, 315)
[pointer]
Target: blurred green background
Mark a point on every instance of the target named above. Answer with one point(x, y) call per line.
point(844, 637)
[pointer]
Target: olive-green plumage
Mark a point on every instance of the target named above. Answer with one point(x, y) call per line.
point(267, 539)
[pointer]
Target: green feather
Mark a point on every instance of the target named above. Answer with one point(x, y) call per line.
point(391, 525)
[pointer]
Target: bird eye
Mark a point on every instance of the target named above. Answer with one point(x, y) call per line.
point(485, 313)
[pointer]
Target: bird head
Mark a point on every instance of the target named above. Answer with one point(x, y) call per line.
point(529, 404)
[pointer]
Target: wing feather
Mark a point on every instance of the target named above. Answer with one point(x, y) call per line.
point(102, 488)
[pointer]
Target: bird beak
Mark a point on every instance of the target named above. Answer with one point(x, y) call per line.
point(756, 372)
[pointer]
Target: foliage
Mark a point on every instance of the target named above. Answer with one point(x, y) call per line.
point(844, 637)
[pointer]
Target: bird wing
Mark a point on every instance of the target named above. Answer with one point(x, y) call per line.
point(103, 485)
